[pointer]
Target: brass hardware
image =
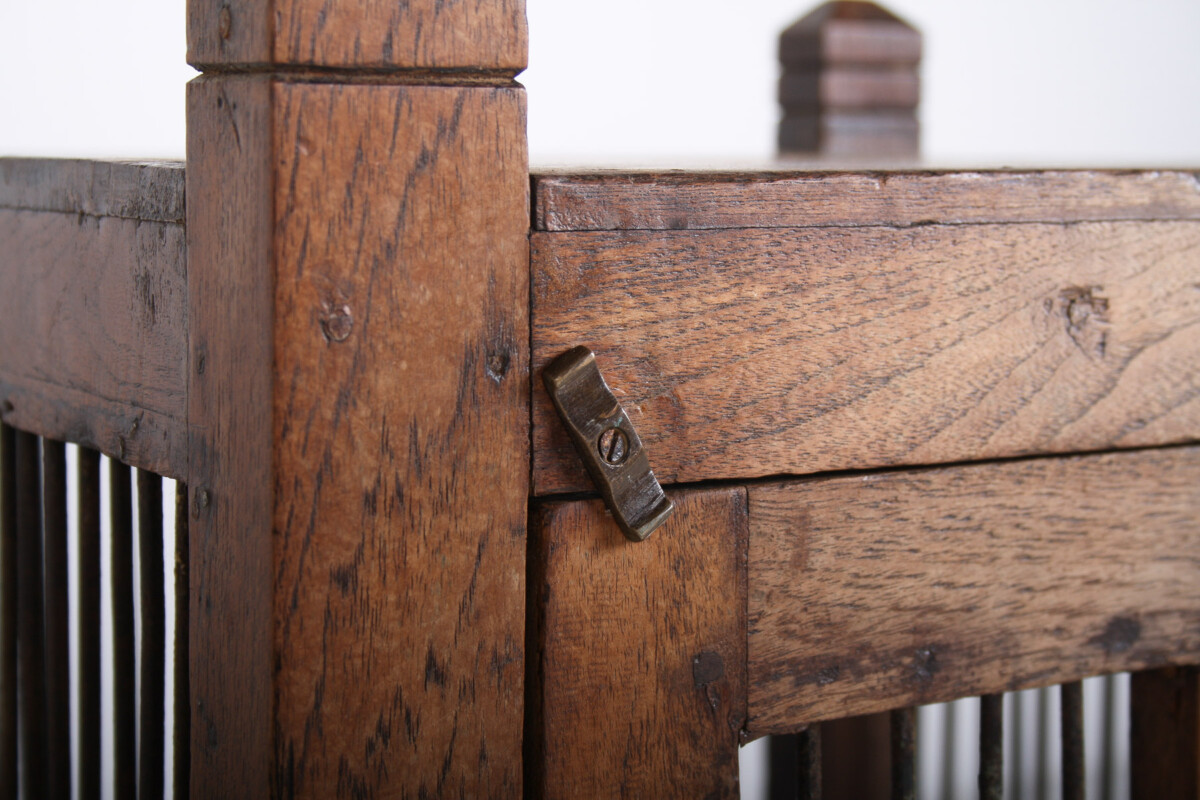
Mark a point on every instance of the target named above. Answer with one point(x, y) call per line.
point(605, 438)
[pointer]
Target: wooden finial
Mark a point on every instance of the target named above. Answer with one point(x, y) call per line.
point(850, 83)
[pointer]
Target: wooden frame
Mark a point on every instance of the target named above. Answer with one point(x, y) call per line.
point(336, 342)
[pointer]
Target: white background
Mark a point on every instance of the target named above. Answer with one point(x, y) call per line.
point(1022, 81)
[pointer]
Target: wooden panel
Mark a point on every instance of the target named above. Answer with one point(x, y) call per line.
point(373, 34)
point(750, 353)
point(698, 200)
point(151, 191)
point(93, 317)
point(1165, 734)
point(639, 683)
point(401, 427)
point(895, 589)
point(230, 467)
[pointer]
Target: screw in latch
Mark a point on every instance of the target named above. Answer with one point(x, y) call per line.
point(614, 446)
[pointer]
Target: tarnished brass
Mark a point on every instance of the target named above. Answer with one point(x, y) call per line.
point(605, 438)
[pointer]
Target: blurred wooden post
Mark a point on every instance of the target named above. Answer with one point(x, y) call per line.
point(1165, 734)
point(850, 84)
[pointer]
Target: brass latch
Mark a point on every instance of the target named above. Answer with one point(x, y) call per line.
point(606, 440)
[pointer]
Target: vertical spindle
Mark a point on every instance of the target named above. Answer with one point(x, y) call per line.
point(794, 762)
point(1073, 773)
point(58, 647)
point(991, 747)
point(182, 738)
point(124, 657)
point(89, 600)
point(904, 750)
point(152, 708)
point(8, 611)
point(31, 624)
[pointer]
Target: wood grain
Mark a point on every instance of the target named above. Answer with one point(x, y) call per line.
point(751, 353)
point(151, 191)
point(93, 316)
point(359, 34)
point(894, 589)
point(791, 199)
point(1165, 734)
point(401, 430)
point(639, 684)
point(230, 473)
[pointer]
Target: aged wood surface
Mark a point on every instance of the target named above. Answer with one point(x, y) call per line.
point(401, 429)
point(1165, 734)
point(782, 199)
point(894, 589)
point(638, 686)
point(230, 224)
point(93, 316)
point(752, 353)
point(359, 34)
point(151, 191)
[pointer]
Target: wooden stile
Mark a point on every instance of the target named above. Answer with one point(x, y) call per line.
point(887, 590)
point(638, 682)
point(363, 411)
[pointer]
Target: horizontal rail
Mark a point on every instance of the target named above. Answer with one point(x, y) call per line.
point(751, 353)
point(152, 191)
point(888, 590)
point(93, 317)
point(603, 201)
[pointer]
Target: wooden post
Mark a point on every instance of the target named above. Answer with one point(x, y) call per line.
point(1165, 734)
point(850, 84)
point(358, 397)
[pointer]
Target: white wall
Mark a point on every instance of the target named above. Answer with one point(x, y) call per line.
point(1050, 81)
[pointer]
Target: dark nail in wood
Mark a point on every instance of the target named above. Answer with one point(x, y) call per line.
point(181, 765)
point(1073, 773)
point(58, 655)
point(904, 753)
point(89, 624)
point(991, 747)
point(124, 660)
point(31, 631)
point(154, 636)
point(8, 611)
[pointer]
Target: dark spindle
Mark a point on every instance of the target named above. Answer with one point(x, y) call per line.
point(1043, 742)
point(1072, 741)
point(904, 752)
point(124, 680)
point(154, 635)
point(809, 751)
point(1016, 750)
point(8, 611)
point(89, 624)
point(991, 747)
point(31, 630)
point(58, 647)
point(183, 721)
point(795, 766)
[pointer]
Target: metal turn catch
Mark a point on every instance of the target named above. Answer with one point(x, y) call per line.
point(607, 442)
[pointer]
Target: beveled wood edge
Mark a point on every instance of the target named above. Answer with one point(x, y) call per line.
point(841, 195)
point(151, 191)
point(142, 438)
